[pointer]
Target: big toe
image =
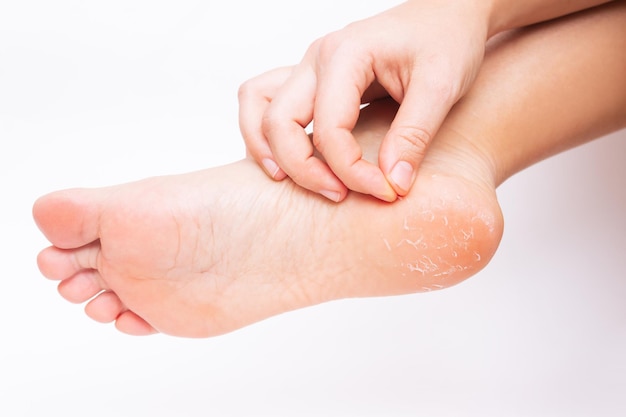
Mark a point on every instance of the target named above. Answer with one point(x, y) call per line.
point(69, 218)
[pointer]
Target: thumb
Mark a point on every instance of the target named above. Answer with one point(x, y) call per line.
point(419, 116)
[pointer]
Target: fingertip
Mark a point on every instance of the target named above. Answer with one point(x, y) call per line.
point(280, 175)
point(389, 196)
point(386, 193)
point(400, 155)
point(272, 169)
point(401, 177)
point(334, 196)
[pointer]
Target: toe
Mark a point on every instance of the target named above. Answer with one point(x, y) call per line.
point(59, 264)
point(81, 287)
point(130, 323)
point(105, 308)
point(69, 219)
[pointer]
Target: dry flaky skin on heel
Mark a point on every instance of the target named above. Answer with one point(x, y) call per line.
point(446, 229)
point(208, 252)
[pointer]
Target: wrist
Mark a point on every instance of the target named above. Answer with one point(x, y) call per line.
point(506, 15)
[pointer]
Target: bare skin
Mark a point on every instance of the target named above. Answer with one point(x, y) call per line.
point(208, 252)
point(223, 254)
point(424, 54)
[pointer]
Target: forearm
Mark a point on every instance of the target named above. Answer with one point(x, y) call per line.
point(511, 14)
point(539, 92)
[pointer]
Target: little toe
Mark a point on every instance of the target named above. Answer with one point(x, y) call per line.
point(105, 308)
point(81, 287)
point(59, 264)
point(69, 218)
point(130, 323)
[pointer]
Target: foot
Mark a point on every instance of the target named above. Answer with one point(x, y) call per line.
point(208, 252)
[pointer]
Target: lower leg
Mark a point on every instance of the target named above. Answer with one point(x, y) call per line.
point(548, 88)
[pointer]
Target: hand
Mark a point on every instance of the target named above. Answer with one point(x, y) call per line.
point(424, 54)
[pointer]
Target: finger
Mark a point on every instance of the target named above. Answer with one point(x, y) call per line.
point(284, 127)
point(254, 96)
point(423, 109)
point(342, 83)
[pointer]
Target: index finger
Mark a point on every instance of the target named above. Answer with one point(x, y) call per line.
point(284, 124)
point(341, 83)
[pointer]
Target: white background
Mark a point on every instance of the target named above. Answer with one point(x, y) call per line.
point(96, 93)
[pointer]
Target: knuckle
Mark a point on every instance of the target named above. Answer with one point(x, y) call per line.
point(329, 44)
point(247, 89)
point(317, 138)
point(336, 43)
point(445, 86)
point(320, 137)
point(412, 139)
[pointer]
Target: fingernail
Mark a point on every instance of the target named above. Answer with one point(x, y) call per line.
point(402, 175)
point(270, 166)
point(331, 195)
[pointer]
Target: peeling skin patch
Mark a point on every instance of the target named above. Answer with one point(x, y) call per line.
point(468, 235)
point(438, 241)
point(415, 221)
point(486, 219)
point(423, 265)
point(440, 266)
point(407, 226)
point(441, 242)
point(433, 288)
point(461, 244)
point(417, 244)
point(387, 245)
point(452, 270)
